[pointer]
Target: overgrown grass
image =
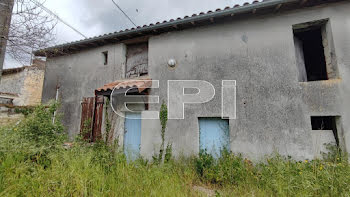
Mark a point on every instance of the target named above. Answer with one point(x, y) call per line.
point(33, 162)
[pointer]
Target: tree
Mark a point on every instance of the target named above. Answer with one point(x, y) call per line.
point(31, 29)
point(5, 19)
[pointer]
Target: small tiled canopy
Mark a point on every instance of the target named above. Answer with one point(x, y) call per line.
point(141, 83)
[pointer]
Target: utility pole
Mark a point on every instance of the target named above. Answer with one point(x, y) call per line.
point(6, 7)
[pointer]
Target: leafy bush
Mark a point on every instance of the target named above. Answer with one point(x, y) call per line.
point(24, 110)
point(168, 153)
point(34, 137)
point(228, 169)
point(39, 127)
point(333, 154)
point(204, 162)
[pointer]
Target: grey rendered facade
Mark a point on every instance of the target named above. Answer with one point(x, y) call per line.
point(257, 50)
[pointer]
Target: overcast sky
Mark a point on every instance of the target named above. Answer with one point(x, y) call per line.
point(95, 17)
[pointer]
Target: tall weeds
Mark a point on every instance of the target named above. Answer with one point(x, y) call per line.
point(33, 162)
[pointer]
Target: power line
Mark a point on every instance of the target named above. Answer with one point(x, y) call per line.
point(124, 13)
point(57, 17)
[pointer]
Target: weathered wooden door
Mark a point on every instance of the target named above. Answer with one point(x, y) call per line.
point(87, 117)
point(132, 135)
point(91, 118)
point(96, 131)
point(214, 135)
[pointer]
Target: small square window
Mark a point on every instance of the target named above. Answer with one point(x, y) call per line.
point(325, 123)
point(105, 57)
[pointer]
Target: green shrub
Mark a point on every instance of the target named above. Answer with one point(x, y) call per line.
point(39, 129)
point(228, 169)
point(205, 162)
point(168, 153)
point(333, 154)
point(24, 110)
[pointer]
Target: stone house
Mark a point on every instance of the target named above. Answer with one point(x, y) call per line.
point(289, 60)
point(23, 86)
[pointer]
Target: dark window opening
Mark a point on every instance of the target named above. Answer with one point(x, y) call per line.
point(311, 54)
point(105, 57)
point(143, 74)
point(325, 123)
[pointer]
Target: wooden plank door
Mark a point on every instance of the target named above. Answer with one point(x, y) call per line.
point(87, 117)
point(96, 132)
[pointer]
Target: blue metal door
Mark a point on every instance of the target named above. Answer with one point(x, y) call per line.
point(214, 135)
point(132, 135)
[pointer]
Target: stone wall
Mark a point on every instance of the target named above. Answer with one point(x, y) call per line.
point(8, 115)
point(26, 83)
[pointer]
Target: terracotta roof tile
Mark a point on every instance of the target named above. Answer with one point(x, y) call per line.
point(141, 83)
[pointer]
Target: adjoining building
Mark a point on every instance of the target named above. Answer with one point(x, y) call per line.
point(20, 88)
point(289, 59)
point(23, 86)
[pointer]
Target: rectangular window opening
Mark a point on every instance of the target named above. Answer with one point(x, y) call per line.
point(105, 57)
point(326, 123)
point(312, 49)
point(136, 60)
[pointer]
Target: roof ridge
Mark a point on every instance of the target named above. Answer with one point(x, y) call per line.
point(146, 29)
point(165, 21)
